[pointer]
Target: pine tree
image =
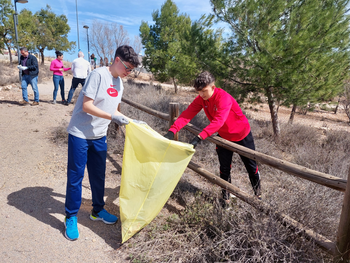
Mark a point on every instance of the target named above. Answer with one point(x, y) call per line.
point(162, 43)
point(6, 26)
point(291, 51)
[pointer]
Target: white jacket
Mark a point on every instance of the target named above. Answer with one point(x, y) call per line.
point(81, 68)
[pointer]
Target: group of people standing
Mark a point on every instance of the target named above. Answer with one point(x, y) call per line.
point(30, 70)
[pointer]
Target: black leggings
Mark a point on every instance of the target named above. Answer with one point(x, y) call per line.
point(225, 159)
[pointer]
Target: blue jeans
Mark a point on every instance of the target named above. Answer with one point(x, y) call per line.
point(33, 81)
point(75, 83)
point(58, 81)
point(83, 152)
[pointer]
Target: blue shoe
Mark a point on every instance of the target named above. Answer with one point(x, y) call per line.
point(71, 225)
point(103, 215)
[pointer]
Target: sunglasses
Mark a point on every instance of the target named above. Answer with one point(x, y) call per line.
point(126, 67)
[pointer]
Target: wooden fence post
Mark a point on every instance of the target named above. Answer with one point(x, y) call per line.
point(174, 113)
point(343, 236)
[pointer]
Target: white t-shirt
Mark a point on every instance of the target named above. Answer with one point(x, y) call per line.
point(106, 91)
point(81, 68)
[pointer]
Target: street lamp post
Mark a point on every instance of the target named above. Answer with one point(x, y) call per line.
point(76, 11)
point(87, 32)
point(15, 22)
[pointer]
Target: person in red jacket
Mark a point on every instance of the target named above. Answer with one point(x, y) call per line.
point(226, 118)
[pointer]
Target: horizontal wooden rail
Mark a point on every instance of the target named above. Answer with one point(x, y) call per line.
point(288, 167)
point(320, 240)
point(158, 114)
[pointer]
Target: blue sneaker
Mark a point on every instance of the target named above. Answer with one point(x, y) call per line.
point(71, 225)
point(103, 215)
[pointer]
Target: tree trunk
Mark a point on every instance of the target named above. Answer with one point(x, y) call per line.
point(292, 114)
point(10, 54)
point(175, 86)
point(42, 56)
point(273, 112)
point(347, 111)
point(336, 108)
point(139, 72)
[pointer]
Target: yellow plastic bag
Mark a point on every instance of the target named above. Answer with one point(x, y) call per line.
point(152, 167)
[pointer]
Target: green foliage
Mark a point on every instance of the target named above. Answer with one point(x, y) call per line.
point(293, 52)
point(51, 31)
point(6, 24)
point(162, 42)
point(26, 29)
point(204, 45)
point(177, 49)
point(39, 31)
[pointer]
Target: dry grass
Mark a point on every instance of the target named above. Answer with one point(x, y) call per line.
point(10, 75)
point(206, 233)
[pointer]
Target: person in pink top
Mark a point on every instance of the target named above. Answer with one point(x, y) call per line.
point(58, 68)
point(226, 118)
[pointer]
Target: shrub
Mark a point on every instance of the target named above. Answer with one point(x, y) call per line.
point(60, 134)
point(205, 232)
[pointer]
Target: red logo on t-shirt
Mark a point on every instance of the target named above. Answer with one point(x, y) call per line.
point(112, 92)
point(112, 85)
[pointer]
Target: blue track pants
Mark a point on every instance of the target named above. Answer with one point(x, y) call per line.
point(91, 153)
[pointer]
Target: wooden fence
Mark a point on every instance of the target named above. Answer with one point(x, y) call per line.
point(340, 249)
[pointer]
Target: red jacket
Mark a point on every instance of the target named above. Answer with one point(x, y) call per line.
point(224, 114)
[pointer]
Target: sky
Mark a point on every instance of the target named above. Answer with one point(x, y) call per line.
point(126, 13)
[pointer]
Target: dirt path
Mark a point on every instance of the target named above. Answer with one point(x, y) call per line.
point(32, 188)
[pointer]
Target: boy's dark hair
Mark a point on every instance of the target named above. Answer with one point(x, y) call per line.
point(203, 80)
point(127, 53)
point(23, 49)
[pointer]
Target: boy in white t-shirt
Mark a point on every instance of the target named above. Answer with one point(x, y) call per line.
point(96, 107)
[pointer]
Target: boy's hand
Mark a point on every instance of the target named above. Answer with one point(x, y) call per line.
point(120, 120)
point(169, 135)
point(195, 141)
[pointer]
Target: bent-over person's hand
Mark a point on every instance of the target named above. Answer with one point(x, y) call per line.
point(169, 135)
point(195, 141)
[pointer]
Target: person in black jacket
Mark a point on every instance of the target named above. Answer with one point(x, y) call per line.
point(30, 70)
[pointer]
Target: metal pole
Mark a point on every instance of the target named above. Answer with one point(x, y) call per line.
point(76, 7)
point(88, 43)
point(15, 21)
